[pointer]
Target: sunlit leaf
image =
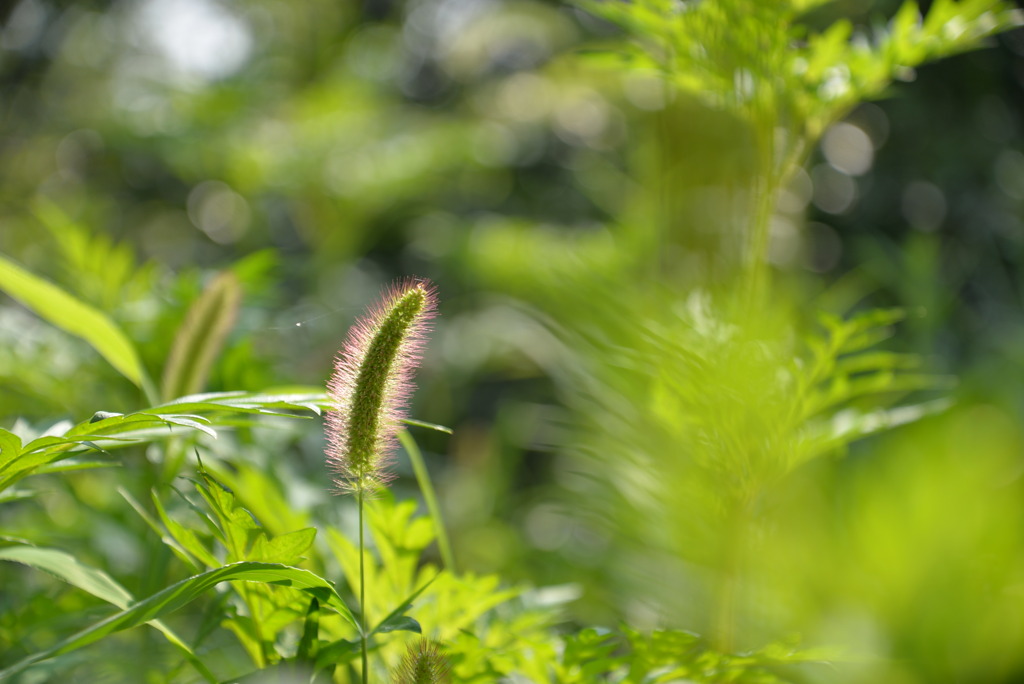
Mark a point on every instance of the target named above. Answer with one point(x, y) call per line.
point(66, 567)
point(76, 317)
point(178, 595)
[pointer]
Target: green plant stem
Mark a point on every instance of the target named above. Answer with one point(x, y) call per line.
point(733, 571)
point(362, 593)
point(775, 169)
point(765, 188)
point(256, 614)
point(725, 608)
point(430, 498)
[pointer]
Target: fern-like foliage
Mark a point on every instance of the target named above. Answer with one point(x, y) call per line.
point(766, 65)
point(692, 419)
point(763, 61)
point(631, 655)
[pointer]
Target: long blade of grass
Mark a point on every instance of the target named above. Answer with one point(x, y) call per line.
point(76, 317)
point(178, 595)
point(397, 620)
point(66, 567)
point(419, 467)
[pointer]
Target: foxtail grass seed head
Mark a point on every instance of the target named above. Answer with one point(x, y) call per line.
point(371, 384)
point(424, 663)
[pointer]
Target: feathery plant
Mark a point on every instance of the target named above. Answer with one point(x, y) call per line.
point(371, 381)
point(765, 64)
point(696, 399)
point(718, 396)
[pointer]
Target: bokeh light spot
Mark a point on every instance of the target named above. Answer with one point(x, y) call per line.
point(218, 211)
point(834, 191)
point(848, 149)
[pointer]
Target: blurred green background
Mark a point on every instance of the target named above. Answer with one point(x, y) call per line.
point(321, 149)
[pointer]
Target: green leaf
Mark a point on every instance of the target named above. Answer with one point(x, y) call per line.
point(876, 361)
point(429, 426)
point(336, 653)
point(177, 547)
point(113, 430)
point(201, 337)
point(178, 595)
point(183, 540)
point(239, 527)
point(309, 643)
point(393, 618)
point(399, 623)
point(284, 548)
point(16, 495)
point(270, 402)
point(75, 464)
point(66, 567)
point(419, 467)
point(10, 446)
point(76, 317)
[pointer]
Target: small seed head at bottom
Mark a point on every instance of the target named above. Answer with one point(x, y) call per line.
point(424, 663)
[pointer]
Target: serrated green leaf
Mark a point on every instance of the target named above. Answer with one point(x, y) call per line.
point(240, 530)
point(284, 548)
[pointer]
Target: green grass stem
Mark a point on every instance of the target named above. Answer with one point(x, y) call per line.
point(429, 497)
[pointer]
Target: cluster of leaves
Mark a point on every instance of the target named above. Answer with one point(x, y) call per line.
point(60, 447)
point(701, 442)
point(289, 618)
point(593, 655)
point(765, 62)
point(784, 81)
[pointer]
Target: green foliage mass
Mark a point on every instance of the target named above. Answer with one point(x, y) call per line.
point(675, 455)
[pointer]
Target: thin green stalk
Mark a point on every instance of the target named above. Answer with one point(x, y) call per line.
point(733, 571)
point(725, 610)
point(368, 389)
point(763, 204)
point(429, 497)
point(362, 594)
